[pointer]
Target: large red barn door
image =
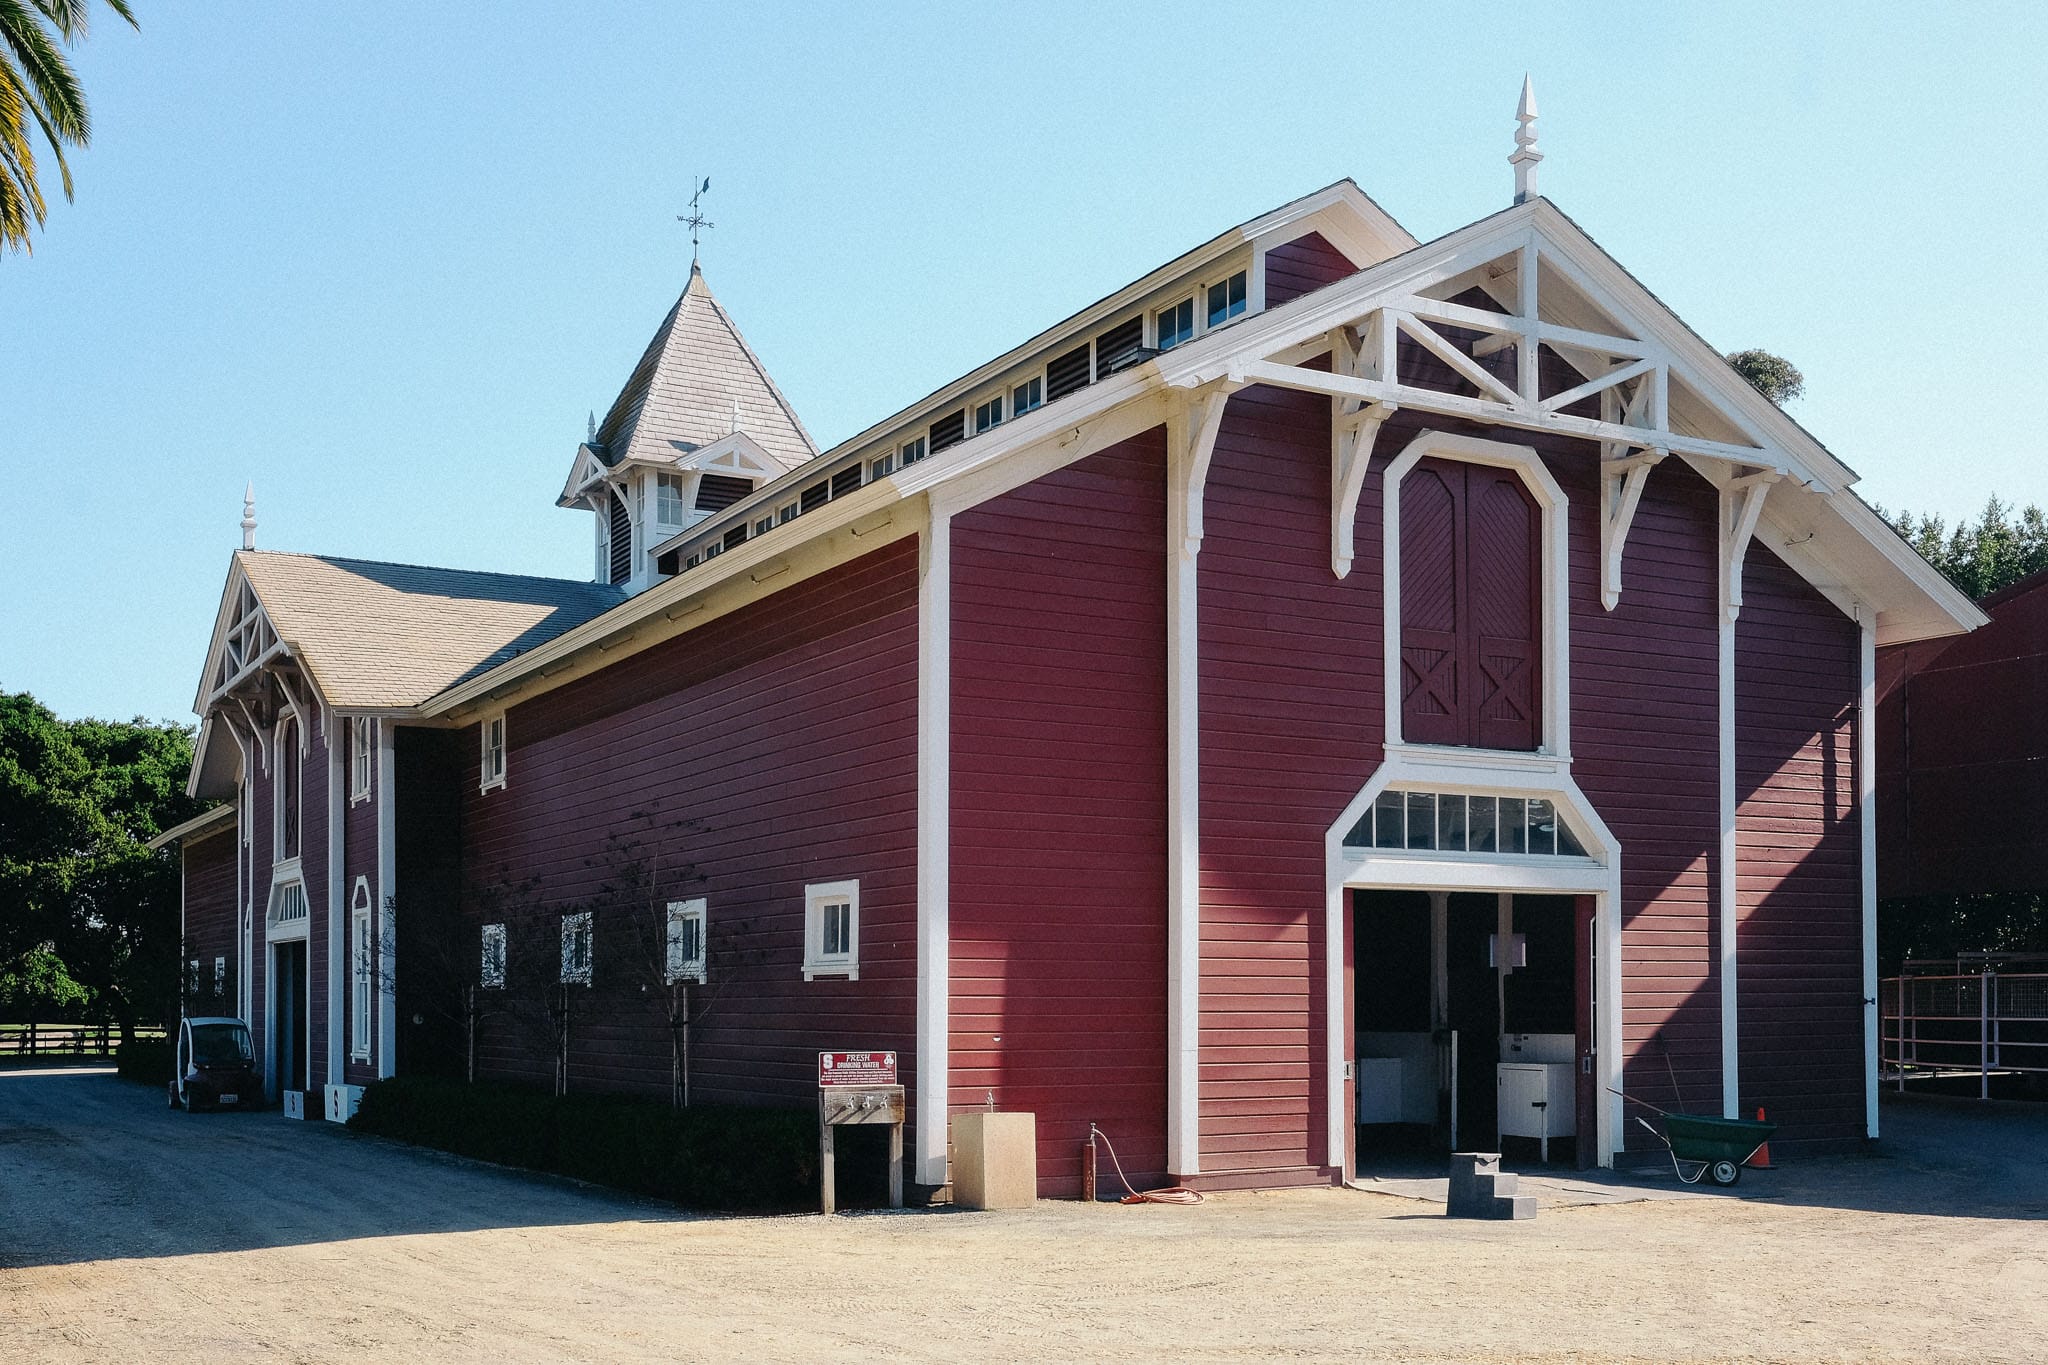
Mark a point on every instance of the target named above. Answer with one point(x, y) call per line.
point(1471, 571)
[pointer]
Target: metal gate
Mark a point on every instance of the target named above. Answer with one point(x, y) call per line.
point(1960, 1018)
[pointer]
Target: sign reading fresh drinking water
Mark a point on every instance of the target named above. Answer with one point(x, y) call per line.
point(856, 1068)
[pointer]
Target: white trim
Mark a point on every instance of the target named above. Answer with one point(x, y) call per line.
point(817, 962)
point(1598, 875)
point(578, 926)
point(1866, 820)
point(361, 757)
point(1556, 625)
point(361, 1011)
point(335, 967)
point(693, 968)
point(289, 715)
point(493, 759)
point(387, 891)
point(934, 833)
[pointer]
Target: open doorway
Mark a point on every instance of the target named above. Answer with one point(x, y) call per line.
point(290, 1017)
point(1472, 1025)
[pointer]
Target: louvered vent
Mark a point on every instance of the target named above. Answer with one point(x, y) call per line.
point(1121, 347)
point(845, 481)
point(735, 535)
point(719, 491)
point(1066, 374)
point(813, 497)
point(621, 540)
point(949, 430)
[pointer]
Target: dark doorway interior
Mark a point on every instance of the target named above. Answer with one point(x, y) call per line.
point(290, 962)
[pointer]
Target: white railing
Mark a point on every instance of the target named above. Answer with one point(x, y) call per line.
point(1964, 1023)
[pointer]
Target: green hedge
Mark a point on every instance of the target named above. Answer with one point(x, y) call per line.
point(148, 1060)
point(705, 1157)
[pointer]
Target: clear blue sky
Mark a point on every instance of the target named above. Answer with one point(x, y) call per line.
point(384, 259)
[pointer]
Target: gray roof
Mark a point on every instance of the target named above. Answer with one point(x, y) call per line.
point(681, 394)
point(377, 635)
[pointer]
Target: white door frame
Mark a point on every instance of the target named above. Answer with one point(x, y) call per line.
point(1480, 773)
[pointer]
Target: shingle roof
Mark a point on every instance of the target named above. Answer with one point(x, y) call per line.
point(389, 635)
point(681, 394)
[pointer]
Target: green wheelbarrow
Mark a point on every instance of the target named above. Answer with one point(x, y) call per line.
point(1715, 1148)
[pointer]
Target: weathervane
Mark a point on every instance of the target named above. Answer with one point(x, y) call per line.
point(696, 219)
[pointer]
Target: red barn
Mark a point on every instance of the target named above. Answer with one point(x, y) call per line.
point(1313, 693)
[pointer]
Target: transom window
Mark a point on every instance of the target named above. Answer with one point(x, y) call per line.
point(1226, 299)
point(989, 414)
point(1453, 822)
point(1176, 324)
point(684, 959)
point(832, 930)
point(910, 452)
point(576, 946)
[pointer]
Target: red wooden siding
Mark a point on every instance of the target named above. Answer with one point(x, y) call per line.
point(769, 748)
point(1645, 750)
point(1471, 565)
point(1799, 948)
point(1303, 265)
point(1962, 785)
point(1290, 730)
point(1058, 893)
point(210, 918)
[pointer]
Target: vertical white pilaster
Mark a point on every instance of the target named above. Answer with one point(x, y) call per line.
point(1866, 820)
point(337, 980)
point(1727, 905)
point(934, 838)
point(387, 890)
point(1183, 804)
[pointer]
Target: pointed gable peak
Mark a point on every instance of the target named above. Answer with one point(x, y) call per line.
point(697, 382)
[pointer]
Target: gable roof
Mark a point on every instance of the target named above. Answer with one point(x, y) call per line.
point(379, 636)
point(682, 393)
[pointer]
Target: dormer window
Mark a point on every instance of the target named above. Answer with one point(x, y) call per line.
point(1176, 324)
point(668, 499)
point(1226, 299)
point(989, 414)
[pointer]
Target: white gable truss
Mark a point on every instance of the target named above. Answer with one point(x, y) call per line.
point(240, 692)
point(1661, 392)
point(738, 456)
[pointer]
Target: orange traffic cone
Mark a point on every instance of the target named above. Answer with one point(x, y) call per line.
point(1760, 1159)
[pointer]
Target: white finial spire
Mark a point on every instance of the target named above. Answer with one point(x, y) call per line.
point(1525, 155)
point(249, 516)
point(591, 428)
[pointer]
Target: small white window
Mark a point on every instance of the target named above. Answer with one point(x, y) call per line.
point(359, 755)
point(220, 976)
point(786, 512)
point(576, 948)
point(684, 960)
point(881, 468)
point(832, 930)
point(359, 970)
point(1176, 324)
point(192, 979)
point(668, 499)
point(1226, 299)
point(989, 414)
point(491, 971)
point(910, 452)
point(763, 525)
point(493, 769)
point(1026, 396)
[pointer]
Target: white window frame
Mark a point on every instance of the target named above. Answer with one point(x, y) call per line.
point(491, 760)
point(220, 977)
point(662, 484)
point(1036, 384)
point(911, 451)
point(361, 1008)
point(491, 966)
point(1203, 322)
point(361, 736)
point(1554, 630)
point(675, 967)
point(289, 720)
point(1194, 330)
point(882, 466)
point(575, 927)
point(817, 962)
point(988, 413)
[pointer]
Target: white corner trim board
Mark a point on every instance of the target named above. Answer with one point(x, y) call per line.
point(934, 825)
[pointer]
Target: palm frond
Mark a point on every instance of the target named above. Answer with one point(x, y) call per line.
point(54, 88)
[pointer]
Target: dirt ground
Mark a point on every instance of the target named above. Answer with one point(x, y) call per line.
point(131, 1233)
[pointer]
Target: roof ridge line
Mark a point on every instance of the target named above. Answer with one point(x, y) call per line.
point(430, 568)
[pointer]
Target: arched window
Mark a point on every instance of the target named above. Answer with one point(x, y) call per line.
point(288, 803)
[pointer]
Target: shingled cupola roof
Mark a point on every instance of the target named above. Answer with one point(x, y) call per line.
point(697, 382)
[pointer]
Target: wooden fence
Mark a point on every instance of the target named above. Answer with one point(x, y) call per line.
point(64, 1040)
